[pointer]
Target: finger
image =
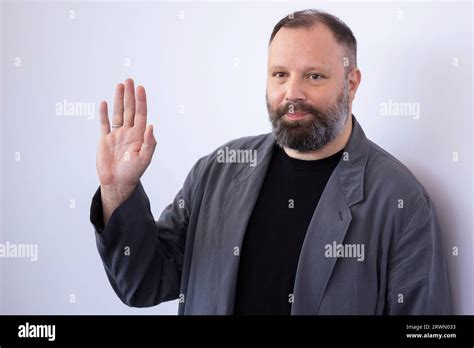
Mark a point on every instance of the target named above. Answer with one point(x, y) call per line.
point(129, 103)
point(104, 118)
point(118, 105)
point(140, 115)
point(149, 144)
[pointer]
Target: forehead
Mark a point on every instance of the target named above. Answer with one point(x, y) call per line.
point(294, 47)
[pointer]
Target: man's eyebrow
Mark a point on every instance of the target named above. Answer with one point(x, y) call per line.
point(277, 67)
point(315, 67)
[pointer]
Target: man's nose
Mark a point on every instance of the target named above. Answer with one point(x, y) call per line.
point(295, 91)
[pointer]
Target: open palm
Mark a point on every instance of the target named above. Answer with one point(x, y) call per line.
point(126, 149)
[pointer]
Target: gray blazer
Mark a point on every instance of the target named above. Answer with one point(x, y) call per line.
point(371, 203)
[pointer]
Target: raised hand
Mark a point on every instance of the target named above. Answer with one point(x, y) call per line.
point(125, 150)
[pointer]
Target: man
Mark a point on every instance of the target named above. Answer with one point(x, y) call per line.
point(323, 222)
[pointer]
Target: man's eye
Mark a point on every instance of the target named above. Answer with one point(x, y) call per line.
point(315, 77)
point(279, 74)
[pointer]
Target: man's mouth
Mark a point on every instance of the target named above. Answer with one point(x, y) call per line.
point(296, 115)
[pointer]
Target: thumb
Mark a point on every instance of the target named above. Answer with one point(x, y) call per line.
point(149, 144)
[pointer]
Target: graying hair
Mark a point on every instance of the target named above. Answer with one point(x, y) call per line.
point(308, 18)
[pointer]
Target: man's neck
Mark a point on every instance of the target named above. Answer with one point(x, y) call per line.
point(330, 149)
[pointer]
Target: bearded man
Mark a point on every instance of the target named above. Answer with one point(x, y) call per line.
point(322, 221)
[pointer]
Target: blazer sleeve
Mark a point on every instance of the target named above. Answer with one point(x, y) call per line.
point(417, 276)
point(143, 258)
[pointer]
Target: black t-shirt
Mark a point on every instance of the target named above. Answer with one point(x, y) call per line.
point(276, 230)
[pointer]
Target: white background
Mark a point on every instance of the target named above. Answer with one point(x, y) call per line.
point(212, 62)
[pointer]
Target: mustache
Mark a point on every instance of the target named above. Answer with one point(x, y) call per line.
point(296, 107)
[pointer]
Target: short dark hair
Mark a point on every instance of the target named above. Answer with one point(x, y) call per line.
point(309, 18)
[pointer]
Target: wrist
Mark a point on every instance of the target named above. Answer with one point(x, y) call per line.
point(116, 193)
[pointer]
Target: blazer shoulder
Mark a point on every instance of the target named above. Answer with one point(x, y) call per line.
point(211, 169)
point(252, 142)
point(386, 172)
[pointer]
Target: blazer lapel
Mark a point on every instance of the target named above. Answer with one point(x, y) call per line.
point(236, 212)
point(329, 224)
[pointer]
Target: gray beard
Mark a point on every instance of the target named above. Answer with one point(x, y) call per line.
point(310, 135)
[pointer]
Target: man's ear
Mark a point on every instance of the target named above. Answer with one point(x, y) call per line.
point(354, 77)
